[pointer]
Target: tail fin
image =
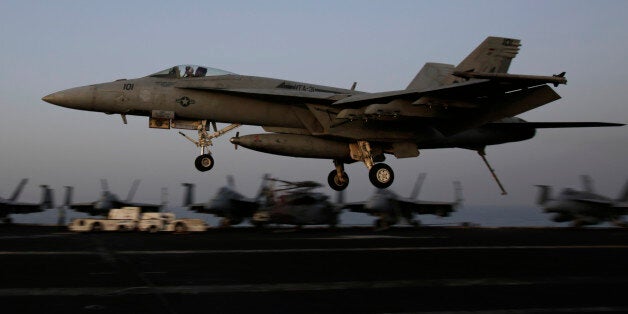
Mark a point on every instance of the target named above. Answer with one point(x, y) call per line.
point(417, 185)
point(544, 194)
point(164, 199)
point(587, 183)
point(493, 55)
point(188, 196)
point(623, 197)
point(231, 182)
point(68, 195)
point(432, 75)
point(46, 197)
point(458, 193)
point(132, 190)
point(18, 190)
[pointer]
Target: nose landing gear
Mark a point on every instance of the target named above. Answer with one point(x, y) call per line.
point(205, 161)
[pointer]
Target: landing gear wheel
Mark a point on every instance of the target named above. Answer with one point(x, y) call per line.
point(204, 162)
point(381, 176)
point(335, 182)
point(180, 227)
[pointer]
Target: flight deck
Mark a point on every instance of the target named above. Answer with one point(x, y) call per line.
point(315, 270)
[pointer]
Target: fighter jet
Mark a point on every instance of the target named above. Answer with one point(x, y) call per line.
point(584, 207)
point(109, 200)
point(390, 208)
point(12, 206)
point(471, 105)
point(295, 203)
point(231, 206)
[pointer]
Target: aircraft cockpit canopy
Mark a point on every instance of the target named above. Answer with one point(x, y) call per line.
point(188, 70)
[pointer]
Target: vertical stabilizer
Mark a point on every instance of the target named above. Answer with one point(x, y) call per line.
point(46, 197)
point(68, 195)
point(458, 193)
point(493, 55)
point(544, 194)
point(417, 185)
point(132, 190)
point(188, 194)
point(18, 190)
point(587, 183)
point(432, 75)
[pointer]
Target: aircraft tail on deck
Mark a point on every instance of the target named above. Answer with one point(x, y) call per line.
point(18, 190)
point(458, 193)
point(623, 197)
point(188, 194)
point(544, 194)
point(68, 195)
point(46, 197)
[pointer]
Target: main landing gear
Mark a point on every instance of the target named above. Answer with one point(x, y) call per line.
point(380, 174)
point(205, 161)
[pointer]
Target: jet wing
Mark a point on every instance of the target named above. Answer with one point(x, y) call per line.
point(199, 208)
point(356, 207)
point(479, 85)
point(441, 209)
point(21, 208)
point(359, 100)
point(88, 208)
point(275, 94)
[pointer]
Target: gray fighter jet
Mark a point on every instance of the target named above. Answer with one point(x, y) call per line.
point(108, 200)
point(584, 207)
point(295, 203)
point(390, 208)
point(231, 206)
point(471, 105)
point(12, 206)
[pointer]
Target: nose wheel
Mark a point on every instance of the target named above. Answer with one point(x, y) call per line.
point(338, 178)
point(204, 162)
point(336, 182)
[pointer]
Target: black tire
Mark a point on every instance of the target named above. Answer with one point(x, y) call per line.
point(96, 227)
point(204, 162)
point(381, 176)
point(335, 184)
point(153, 229)
point(180, 227)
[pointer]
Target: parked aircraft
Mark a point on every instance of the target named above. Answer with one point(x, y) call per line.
point(108, 201)
point(295, 203)
point(231, 206)
point(390, 208)
point(471, 105)
point(584, 207)
point(12, 206)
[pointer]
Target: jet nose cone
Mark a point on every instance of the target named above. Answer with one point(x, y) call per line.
point(76, 98)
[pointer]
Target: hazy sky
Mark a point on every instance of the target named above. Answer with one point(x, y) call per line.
point(47, 46)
